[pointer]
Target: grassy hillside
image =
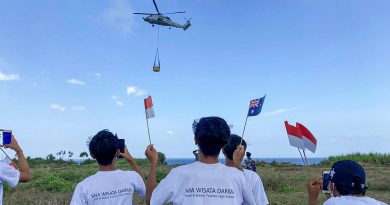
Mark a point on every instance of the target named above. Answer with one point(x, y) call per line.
point(53, 181)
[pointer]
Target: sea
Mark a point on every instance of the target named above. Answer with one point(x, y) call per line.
point(297, 161)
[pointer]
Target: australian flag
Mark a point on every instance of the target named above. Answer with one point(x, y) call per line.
point(255, 106)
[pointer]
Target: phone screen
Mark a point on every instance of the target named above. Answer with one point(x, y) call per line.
point(325, 181)
point(7, 136)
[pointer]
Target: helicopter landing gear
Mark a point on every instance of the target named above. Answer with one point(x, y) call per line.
point(169, 27)
point(152, 25)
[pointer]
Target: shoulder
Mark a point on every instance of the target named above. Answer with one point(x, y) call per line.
point(249, 174)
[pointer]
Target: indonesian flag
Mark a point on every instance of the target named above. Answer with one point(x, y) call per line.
point(149, 111)
point(10, 162)
point(294, 136)
point(309, 140)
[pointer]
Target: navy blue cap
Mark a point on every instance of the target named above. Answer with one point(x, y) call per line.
point(348, 173)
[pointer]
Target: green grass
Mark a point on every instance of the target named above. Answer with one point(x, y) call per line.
point(54, 181)
point(370, 158)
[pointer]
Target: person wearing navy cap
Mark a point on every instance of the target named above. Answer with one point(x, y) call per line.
point(347, 186)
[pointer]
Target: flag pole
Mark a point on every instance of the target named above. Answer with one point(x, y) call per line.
point(243, 131)
point(147, 124)
point(5, 153)
point(307, 164)
point(304, 163)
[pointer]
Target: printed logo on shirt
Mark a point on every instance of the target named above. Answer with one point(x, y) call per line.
point(111, 194)
point(209, 192)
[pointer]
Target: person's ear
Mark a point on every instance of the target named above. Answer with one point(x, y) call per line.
point(117, 153)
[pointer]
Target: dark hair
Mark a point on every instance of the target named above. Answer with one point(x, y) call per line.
point(103, 147)
point(231, 146)
point(211, 134)
point(356, 189)
point(248, 154)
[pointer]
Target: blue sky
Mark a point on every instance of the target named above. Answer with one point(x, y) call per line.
point(71, 68)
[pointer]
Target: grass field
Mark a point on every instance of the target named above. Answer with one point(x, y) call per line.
point(53, 183)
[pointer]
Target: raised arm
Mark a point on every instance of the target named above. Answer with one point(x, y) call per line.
point(24, 169)
point(151, 182)
point(238, 155)
point(132, 162)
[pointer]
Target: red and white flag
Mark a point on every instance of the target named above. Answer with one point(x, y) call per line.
point(308, 138)
point(149, 111)
point(294, 136)
point(10, 162)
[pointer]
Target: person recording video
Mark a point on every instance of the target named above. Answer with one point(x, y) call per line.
point(110, 185)
point(8, 171)
point(346, 185)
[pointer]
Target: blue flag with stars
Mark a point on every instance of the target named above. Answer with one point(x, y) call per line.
point(255, 106)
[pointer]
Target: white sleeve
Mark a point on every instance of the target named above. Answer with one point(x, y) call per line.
point(139, 188)
point(247, 193)
point(78, 196)
point(259, 192)
point(164, 191)
point(9, 174)
point(330, 201)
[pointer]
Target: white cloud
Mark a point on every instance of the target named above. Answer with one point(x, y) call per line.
point(114, 97)
point(119, 103)
point(119, 15)
point(170, 132)
point(132, 90)
point(75, 82)
point(57, 107)
point(78, 108)
point(98, 75)
point(8, 77)
point(280, 111)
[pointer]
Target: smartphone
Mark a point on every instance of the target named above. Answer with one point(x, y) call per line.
point(121, 146)
point(6, 136)
point(325, 182)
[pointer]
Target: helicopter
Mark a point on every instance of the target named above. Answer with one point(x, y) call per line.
point(162, 20)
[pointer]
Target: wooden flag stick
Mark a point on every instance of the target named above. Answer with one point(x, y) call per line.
point(307, 164)
point(243, 131)
point(147, 124)
point(304, 163)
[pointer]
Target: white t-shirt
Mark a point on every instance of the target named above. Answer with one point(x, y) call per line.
point(9, 175)
point(109, 188)
point(352, 200)
point(200, 183)
point(257, 187)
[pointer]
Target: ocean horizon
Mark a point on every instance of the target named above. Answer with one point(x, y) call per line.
point(297, 161)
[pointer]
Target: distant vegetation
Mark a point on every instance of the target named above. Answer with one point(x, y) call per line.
point(370, 158)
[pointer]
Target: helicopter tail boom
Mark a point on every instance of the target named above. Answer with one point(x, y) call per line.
point(186, 25)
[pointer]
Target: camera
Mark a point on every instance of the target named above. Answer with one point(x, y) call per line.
point(325, 182)
point(6, 136)
point(121, 146)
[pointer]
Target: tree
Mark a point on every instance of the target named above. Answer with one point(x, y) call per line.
point(70, 154)
point(161, 158)
point(61, 154)
point(84, 154)
point(50, 157)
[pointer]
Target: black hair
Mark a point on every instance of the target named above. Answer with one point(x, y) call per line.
point(103, 147)
point(231, 146)
point(248, 154)
point(211, 134)
point(355, 189)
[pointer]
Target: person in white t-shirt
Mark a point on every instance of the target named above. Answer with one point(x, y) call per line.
point(205, 181)
point(8, 172)
point(110, 186)
point(252, 178)
point(347, 186)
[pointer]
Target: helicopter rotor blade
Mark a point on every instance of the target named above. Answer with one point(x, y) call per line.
point(178, 12)
point(155, 5)
point(143, 13)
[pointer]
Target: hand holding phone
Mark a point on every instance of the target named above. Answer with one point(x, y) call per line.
point(325, 182)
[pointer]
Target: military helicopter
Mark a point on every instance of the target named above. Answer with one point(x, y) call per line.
point(162, 20)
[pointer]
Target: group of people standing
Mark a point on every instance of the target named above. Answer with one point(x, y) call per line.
point(205, 181)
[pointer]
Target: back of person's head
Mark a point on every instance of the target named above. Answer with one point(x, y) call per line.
point(231, 146)
point(349, 178)
point(211, 134)
point(103, 147)
point(248, 154)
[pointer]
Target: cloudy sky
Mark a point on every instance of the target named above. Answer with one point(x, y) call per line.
point(71, 68)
